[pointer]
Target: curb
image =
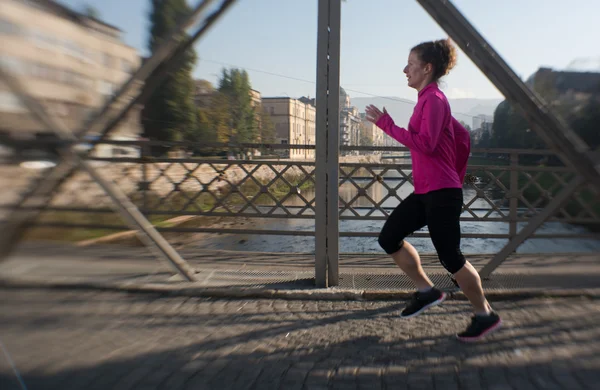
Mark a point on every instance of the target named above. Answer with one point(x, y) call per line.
point(287, 294)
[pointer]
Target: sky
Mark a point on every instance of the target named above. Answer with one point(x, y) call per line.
point(275, 41)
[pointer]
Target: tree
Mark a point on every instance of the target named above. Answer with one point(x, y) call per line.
point(220, 117)
point(170, 113)
point(501, 127)
point(267, 128)
point(472, 134)
point(465, 125)
point(484, 142)
point(235, 85)
point(586, 124)
point(205, 130)
point(511, 130)
point(204, 87)
point(90, 11)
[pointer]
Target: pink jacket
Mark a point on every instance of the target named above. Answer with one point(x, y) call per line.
point(439, 145)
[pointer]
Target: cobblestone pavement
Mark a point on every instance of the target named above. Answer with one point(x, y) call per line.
point(91, 340)
point(47, 262)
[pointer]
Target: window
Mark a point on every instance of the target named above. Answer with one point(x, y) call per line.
point(42, 39)
point(116, 152)
point(83, 81)
point(90, 56)
point(105, 88)
point(107, 60)
point(59, 109)
point(9, 102)
point(126, 66)
point(284, 141)
point(9, 28)
point(69, 77)
point(12, 64)
point(38, 71)
point(272, 110)
point(73, 49)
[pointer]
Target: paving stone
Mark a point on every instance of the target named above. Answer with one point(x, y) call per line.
point(62, 340)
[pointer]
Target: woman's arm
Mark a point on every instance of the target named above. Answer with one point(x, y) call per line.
point(432, 125)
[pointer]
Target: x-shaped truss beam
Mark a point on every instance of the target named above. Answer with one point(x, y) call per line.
point(551, 128)
point(151, 73)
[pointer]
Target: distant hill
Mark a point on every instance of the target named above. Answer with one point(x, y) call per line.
point(401, 109)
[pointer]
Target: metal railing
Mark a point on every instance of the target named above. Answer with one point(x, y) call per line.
point(502, 186)
point(523, 192)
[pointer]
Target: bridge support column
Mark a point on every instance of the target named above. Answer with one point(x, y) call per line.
point(327, 144)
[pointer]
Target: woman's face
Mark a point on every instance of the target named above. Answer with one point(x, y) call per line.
point(417, 72)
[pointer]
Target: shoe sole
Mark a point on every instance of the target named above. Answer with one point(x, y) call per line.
point(489, 330)
point(432, 304)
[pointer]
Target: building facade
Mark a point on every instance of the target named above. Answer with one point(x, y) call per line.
point(294, 123)
point(68, 61)
point(255, 98)
point(350, 122)
point(374, 133)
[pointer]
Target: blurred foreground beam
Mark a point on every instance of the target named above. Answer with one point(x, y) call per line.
point(152, 72)
point(554, 130)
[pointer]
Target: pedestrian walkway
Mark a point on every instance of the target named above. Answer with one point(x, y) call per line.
point(108, 340)
point(113, 265)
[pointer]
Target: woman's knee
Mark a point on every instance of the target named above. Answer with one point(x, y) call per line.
point(453, 261)
point(390, 244)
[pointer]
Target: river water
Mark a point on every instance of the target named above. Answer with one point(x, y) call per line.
point(377, 191)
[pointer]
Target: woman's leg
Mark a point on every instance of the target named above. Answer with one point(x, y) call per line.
point(407, 258)
point(470, 283)
point(443, 217)
point(408, 217)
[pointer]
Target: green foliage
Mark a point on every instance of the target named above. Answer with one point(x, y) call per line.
point(170, 113)
point(587, 124)
point(485, 141)
point(231, 116)
point(90, 11)
point(465, 125)
point(235, 85)
point(512, 130)
point(267, 128)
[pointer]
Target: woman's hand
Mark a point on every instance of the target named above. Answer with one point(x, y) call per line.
point(373, 113)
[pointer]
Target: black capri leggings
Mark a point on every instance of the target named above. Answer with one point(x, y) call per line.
point(440, 210)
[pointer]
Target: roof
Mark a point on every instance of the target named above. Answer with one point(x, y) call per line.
point(278, 97)
point(66, 12)
point(579, 81)
point(563, 81)
point(308, 100)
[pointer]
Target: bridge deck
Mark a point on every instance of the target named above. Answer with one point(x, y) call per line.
point(112, 263)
